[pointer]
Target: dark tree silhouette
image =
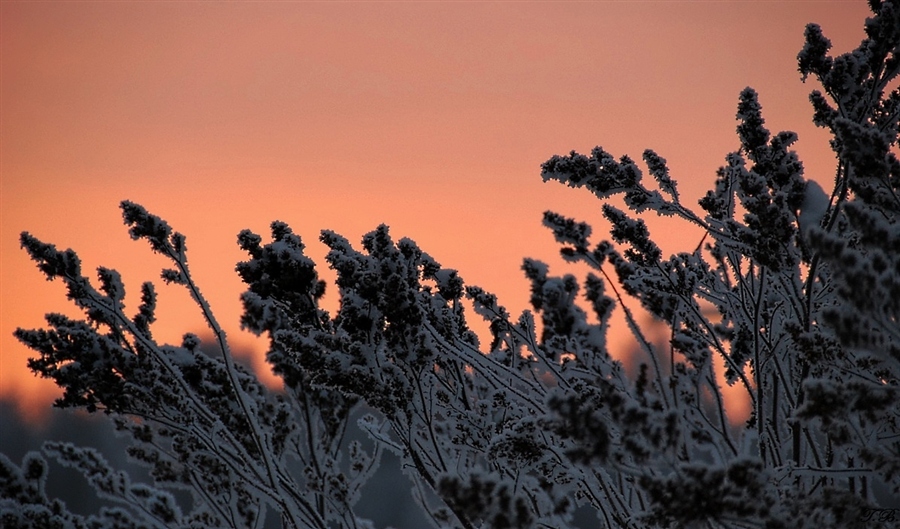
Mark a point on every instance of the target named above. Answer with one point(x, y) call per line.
point(805, 284)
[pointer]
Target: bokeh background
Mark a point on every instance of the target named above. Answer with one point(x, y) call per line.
point(431, 117)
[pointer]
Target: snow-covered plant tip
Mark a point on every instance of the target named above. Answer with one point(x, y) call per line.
point(796, 291)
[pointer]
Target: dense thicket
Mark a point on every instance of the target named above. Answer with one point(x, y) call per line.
point(796, 290)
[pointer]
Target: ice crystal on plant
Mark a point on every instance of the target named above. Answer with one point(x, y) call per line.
point(540, 421)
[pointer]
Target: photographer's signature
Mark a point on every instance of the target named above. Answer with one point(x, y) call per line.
point(880, 515)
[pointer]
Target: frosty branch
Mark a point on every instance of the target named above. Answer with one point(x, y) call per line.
point(795, 291)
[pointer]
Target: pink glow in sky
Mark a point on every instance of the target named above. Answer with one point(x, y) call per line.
point(432, 117)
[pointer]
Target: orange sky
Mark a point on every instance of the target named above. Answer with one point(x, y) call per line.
point(432, 117)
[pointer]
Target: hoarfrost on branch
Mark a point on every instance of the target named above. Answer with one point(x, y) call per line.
point(521, 431)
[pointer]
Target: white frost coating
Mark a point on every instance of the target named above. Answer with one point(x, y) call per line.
point(544, 420)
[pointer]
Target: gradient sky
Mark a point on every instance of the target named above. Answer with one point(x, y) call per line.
point(432, 117)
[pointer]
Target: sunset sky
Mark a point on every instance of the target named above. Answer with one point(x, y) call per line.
point(431, 117)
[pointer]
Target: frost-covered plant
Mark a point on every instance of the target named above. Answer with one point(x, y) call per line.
point(796, 291)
